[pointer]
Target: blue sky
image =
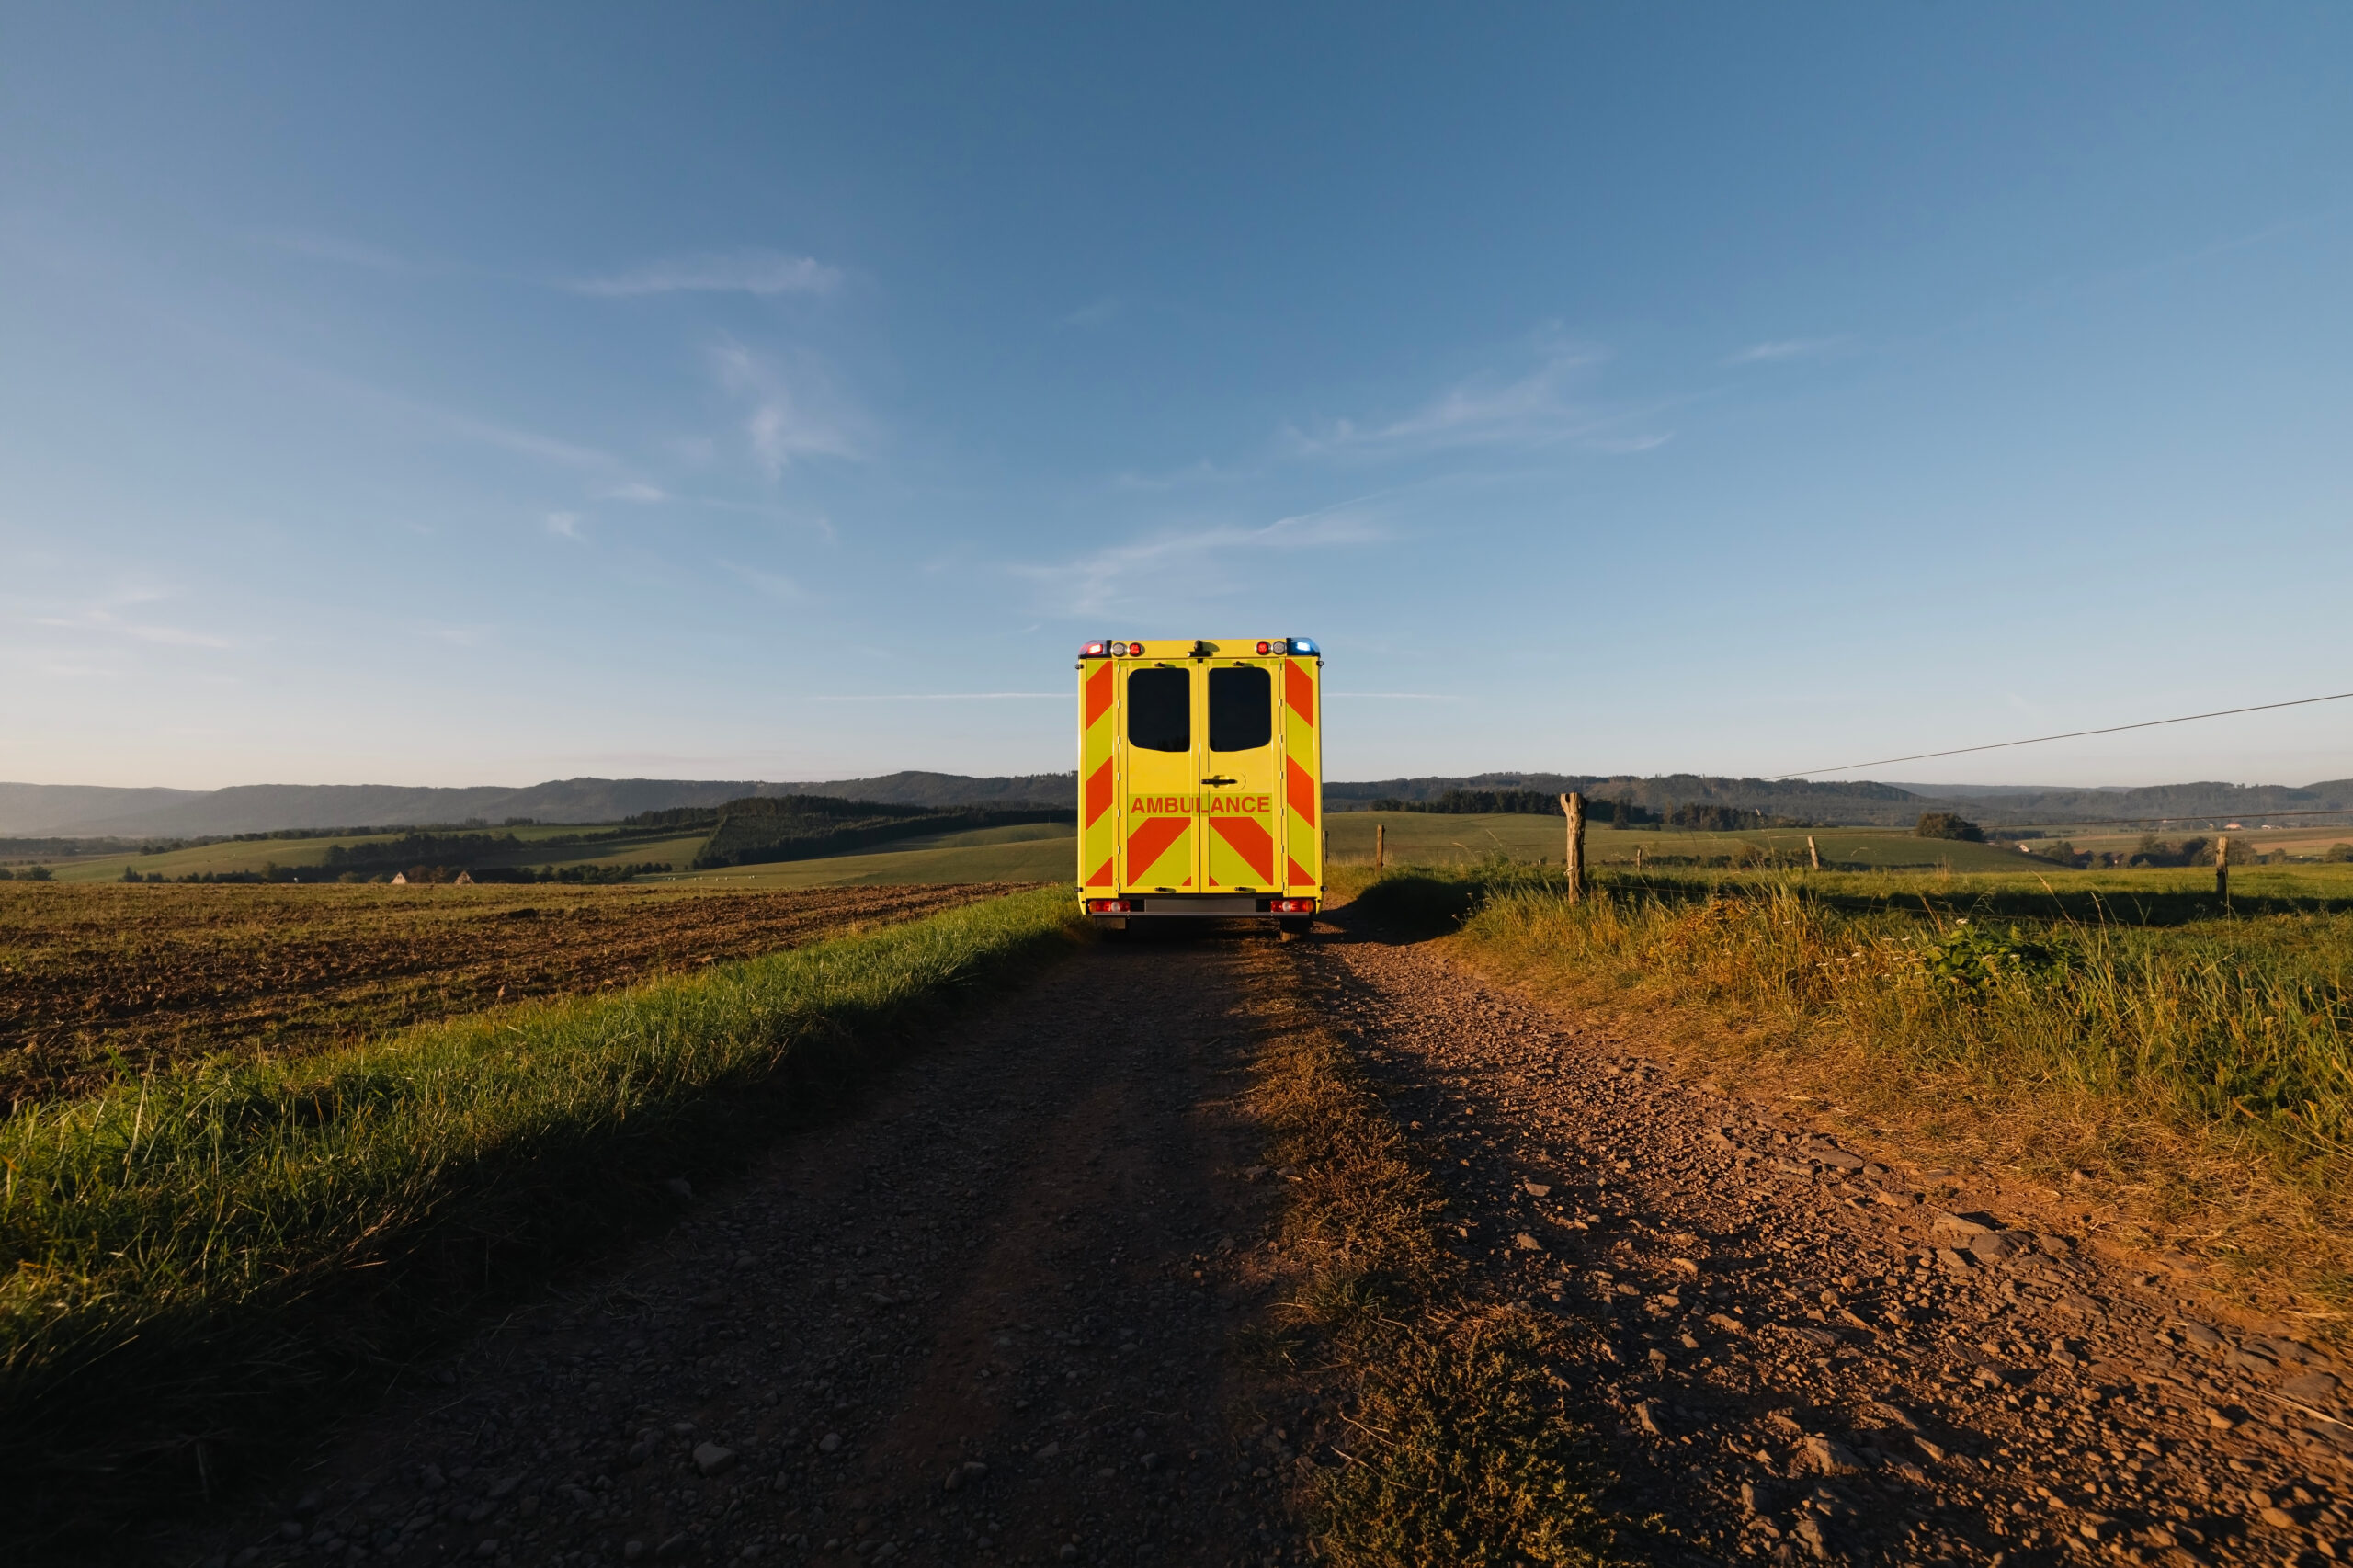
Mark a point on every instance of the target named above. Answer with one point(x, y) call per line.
point(456, 394)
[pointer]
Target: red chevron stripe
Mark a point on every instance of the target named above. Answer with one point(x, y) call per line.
point(1099, 694)
point(1099, 792)
point(1150, 841)
point(1299, 689)
point(1102, 877)
point(1298, 789)
point(1251, 839)
point(1298, 877)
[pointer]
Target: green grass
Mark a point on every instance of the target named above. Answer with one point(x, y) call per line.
point(1429, 839)
point(1030, 852)
point(2117, 1019)
point(197, 1258)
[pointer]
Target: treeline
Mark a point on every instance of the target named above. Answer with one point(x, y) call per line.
point(59, 848)
point(775, 806)
point(1459, 802)
point(770, 828)
point(422, 848)
point(460, 849)
point(1620, 812)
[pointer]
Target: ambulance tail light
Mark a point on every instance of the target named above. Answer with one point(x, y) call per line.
point(1290, 906)
point(1266, 647)
point(1110, 906)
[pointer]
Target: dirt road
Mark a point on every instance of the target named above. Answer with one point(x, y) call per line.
point(994, 1315)
point(1817, 1351)
point(986, 1317)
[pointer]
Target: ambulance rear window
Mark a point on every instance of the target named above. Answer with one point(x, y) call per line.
point(1160, 709)
point(1241, 709)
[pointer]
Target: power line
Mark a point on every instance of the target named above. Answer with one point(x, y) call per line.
point(2070, 735)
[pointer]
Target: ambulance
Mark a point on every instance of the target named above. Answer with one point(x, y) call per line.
point(1200, 769)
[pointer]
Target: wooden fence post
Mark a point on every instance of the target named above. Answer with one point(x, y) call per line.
point(1380, 844)
point(2223, 869)
point(1572, 807)
point(1812, 853)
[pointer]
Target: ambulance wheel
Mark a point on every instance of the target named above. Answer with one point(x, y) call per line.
point(1294, 926)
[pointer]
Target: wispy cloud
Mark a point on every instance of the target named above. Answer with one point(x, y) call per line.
point(107, 619)
point(1193, 562)
point(1545, 406)
point(634, 492)
point(760, 272)
point(564, 525)
point(1102, 312)
point(775, 584)
point(1784, 348)
point(793, 414)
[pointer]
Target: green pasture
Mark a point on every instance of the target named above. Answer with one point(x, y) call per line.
point(1025, 852)
point(1427, 838)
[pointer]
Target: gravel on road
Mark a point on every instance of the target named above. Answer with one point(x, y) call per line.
point(987, 1316)
point(1823, 1352)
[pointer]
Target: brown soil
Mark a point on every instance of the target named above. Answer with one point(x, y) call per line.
point(96, 980)
point(990, 1317)
point(1801, 1360)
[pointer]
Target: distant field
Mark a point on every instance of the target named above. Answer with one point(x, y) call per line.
point(101, 980)
point(1031, 852)
point(255, 855)
point(1426, 838)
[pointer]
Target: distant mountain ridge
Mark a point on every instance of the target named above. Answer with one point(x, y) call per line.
point(91, 811)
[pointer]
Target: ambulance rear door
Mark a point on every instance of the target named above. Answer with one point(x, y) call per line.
point(1242, 774)
point(1159, 712)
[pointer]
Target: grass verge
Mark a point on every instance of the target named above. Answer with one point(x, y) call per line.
point(2202, 1063)
point(198, 1259)
point(1459, 1447)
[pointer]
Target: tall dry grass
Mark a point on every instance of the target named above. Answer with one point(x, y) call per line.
point(2241, 1026)
point(2197, 1064)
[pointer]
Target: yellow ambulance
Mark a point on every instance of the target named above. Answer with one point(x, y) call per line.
point(1200, 779)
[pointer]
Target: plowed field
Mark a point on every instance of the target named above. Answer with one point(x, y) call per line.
point(106, 979)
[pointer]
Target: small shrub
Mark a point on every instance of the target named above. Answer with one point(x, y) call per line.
point(1946, 825)
point(1972, 958)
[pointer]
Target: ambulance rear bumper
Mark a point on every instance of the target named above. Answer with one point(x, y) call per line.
point(1200, 906)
